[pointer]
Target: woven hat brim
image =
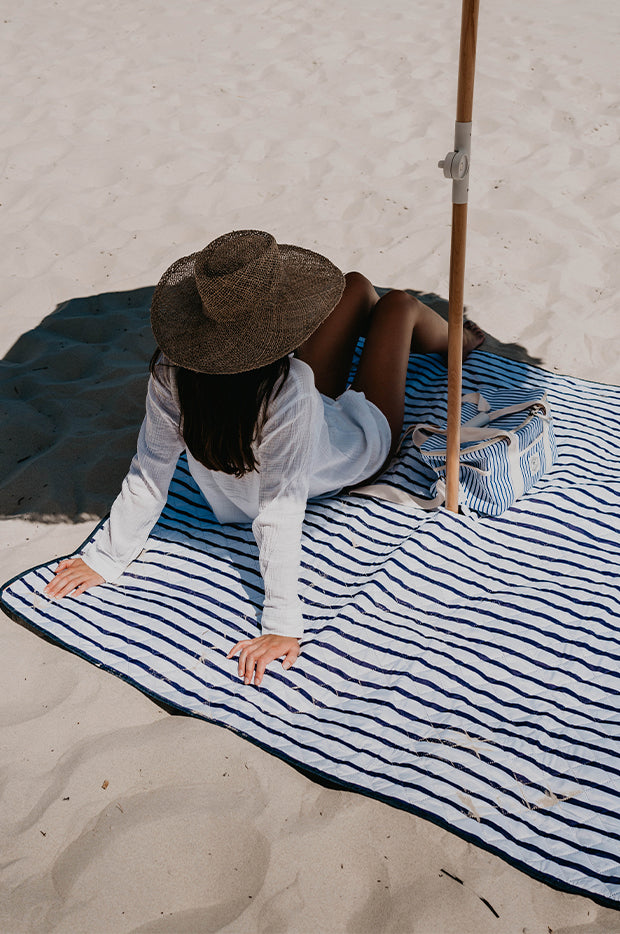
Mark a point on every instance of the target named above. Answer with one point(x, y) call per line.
point(310, 288)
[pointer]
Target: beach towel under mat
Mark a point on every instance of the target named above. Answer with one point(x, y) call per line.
point(463, 669)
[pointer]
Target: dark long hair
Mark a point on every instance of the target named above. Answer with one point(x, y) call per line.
point(221, 415)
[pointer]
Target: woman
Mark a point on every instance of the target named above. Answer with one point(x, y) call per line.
point(255, 346)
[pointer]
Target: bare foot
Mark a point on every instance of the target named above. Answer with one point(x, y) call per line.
point(473, 337)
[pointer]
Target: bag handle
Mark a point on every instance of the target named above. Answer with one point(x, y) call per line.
point(469, 433)
point(476, 428)
point(485, 409)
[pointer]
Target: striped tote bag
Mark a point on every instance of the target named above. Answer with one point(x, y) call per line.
point(507, 444)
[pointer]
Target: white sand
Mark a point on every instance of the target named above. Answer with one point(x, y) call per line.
point(135, 133)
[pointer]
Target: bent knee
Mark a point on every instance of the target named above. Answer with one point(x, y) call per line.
point(358, 283)
point(397, 295)
point(399, 298)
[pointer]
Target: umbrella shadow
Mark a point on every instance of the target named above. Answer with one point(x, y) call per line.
point(72, 394)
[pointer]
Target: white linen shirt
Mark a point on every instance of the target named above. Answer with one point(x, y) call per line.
point(310, 446)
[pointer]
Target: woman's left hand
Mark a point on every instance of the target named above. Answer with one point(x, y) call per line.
point(72, 576)
point(257, 653)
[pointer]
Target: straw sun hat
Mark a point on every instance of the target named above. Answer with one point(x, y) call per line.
point(242, 302)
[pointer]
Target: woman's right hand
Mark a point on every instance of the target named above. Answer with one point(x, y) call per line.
point(72, 576)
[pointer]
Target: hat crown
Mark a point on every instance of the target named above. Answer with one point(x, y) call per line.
point(238, 273)
point(241, 302)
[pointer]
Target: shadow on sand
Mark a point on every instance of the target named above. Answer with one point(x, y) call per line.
point(72, 400)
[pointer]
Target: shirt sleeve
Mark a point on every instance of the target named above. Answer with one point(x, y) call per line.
point(145, 488)
point(285, 459)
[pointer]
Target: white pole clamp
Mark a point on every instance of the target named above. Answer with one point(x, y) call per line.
point(456, 163)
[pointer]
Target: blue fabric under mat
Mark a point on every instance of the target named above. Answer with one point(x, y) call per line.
point(464, 669)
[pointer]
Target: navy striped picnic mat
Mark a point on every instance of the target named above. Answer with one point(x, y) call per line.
point(464, 669)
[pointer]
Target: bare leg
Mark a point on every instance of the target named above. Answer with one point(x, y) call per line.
point(382, 371)
point(400, 325)
point(431, 333)
point(329, 351)
point(395, 326)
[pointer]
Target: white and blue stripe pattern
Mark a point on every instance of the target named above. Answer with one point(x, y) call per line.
point(465, 669)
point(494, 473)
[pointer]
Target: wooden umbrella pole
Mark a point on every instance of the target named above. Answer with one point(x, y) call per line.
point(455, 353)
point(456, 166)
